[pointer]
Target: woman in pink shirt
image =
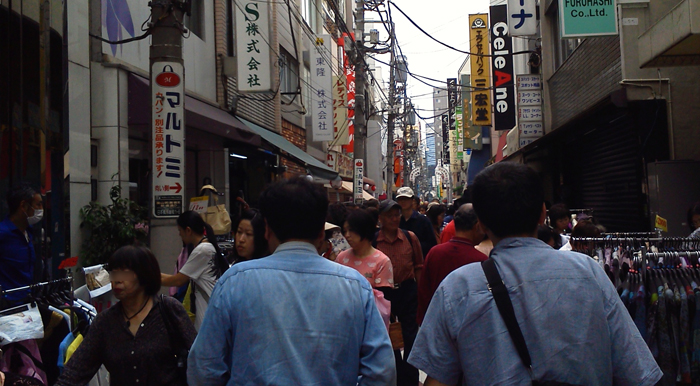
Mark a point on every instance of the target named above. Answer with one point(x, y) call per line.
point(374, 265)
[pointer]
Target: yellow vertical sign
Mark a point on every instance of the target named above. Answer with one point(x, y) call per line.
point(481, 71)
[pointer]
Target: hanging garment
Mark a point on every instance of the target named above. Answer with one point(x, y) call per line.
point(23, 358)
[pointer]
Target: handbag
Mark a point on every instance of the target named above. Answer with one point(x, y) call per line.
point(180, 351)
point(217, 216)
point(505, 308)
point(396, 335)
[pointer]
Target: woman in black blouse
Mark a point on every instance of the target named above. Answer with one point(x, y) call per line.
point(131, 338)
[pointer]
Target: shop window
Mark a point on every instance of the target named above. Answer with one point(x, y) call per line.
point(309, 13)
point(230, 20)
point(195, 22)
point(289, 73)
point(561, 48)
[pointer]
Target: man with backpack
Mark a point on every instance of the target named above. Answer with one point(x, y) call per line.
point(530, 314)
point(404, 250)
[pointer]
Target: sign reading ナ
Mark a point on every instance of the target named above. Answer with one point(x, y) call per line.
point(581, 18)
point(168, 98)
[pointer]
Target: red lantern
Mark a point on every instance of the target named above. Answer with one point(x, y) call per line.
point(374, 188)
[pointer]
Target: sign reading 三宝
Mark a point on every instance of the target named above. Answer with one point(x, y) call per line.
point(481, 72)
point(252, 48)
point(581, 18)
point(168, 96)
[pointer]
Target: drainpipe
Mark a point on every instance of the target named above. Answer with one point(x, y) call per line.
point(669, 103)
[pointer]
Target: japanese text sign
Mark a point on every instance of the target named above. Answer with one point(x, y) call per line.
point(522, 17)
point(581, 18)
point(252, 48)
point(481, 71)
point(168, 125)
point(340, 110)
point(358, 186)
point(322, 90)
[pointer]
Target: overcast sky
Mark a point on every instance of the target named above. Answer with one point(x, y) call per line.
point(447, 21)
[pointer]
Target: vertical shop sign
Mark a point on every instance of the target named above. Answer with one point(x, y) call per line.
point(252, 37)
point(481, 72)
point(472, 134)
point(322, 96)
point(503, 78)
point(358, 186)
point(445, 121)
point(168, 96)
point(452, 97)
point(522, 17)
point(340, 111)
point(459, 133)
point(530, 116)
point(350, 78)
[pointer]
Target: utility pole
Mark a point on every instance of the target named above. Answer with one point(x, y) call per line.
point(391, 118)
point(360, 113)
point(168, 107)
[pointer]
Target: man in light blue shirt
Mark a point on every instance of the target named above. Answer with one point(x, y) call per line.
point(575, 326)
point(292, 318)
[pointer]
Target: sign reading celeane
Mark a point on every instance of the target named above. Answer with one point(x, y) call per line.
point(581, 18)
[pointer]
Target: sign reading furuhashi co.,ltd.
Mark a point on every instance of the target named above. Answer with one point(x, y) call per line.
point(581, 18)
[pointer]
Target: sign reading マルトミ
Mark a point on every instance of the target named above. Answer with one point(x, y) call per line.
point(168, 124)
point(581, 18)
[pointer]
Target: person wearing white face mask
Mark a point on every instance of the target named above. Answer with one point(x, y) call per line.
point(17, 255)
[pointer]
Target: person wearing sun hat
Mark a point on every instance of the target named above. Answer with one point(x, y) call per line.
point(412, 221)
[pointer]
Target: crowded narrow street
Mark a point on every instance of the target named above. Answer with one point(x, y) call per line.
point(349, 192)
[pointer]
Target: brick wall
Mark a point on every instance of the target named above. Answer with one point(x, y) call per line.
point(591, 73)
point(297, 136)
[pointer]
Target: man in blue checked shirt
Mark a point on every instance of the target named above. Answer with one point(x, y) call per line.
point(294, 317)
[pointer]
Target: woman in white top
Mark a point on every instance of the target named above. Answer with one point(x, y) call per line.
point(204, 266)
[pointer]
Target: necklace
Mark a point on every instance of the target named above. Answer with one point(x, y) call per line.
point(128, 318)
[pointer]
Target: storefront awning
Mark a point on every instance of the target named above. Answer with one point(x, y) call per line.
point(199, 115)
point(347, 188)
point(315, 167)
point(674, 40)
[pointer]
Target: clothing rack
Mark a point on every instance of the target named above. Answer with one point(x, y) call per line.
point(632, 234)
point(68, 278)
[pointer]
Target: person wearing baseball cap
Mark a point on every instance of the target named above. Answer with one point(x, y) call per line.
point(413, 221)
point(404, 250)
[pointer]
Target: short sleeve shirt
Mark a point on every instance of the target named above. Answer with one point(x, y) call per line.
point(200, 268)
point(376, 268)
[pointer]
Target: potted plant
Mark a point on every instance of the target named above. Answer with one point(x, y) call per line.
point(110, 227)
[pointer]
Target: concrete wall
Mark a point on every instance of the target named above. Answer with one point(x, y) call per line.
point(683, 81)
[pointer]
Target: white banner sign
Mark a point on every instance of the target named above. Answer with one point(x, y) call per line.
point(322, 97)
point(530, 98)
point(168, 125)
point(340, 111)
point(522, 17)
point(358, 186)
point(529, 82)
point(531, 129)
point(530, 114)
point(252, 35)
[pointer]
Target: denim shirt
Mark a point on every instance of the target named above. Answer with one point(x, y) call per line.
point(292, 318)
point(575, 326)
point(17, 258)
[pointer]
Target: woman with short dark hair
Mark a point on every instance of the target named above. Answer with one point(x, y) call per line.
point(131, 339)
point(359, 230)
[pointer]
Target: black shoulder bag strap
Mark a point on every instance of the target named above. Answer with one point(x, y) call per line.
point(505, 307)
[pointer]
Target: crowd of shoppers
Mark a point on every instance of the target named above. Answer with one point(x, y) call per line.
point(279, 313)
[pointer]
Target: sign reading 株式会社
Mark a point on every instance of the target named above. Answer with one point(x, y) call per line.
point(582, 18)
point(253, 50)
